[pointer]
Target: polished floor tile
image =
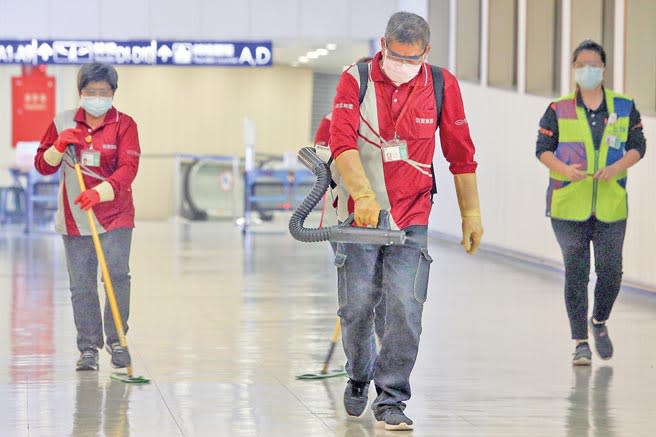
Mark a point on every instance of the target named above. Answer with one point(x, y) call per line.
point(222, 323)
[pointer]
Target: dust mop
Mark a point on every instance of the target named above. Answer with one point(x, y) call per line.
point(325, 373)
point(111, 297)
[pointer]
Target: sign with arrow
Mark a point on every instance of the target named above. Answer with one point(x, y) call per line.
point(137, 52)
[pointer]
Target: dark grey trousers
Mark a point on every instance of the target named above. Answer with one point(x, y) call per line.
point(399, 276)
point(83, 276)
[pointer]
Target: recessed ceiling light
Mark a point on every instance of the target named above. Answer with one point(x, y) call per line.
point(302, 59)
point(312, 55)
point(331, 46)
point(294, 64)
point(321, 52)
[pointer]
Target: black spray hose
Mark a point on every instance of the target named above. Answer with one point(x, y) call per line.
point(344, 233)
point(309, 158)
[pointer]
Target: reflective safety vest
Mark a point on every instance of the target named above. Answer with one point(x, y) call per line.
point(578, 201)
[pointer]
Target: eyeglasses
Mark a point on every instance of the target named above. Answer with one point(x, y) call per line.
point(413, 60)
point(102, 92)
point(588, 64)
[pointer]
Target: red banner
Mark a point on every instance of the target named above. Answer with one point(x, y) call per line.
point(32, 103)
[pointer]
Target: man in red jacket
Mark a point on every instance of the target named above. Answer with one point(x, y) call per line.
point(106, 143)
point(383, 150)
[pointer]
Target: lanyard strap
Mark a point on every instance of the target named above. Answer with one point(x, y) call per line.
point(403, 109)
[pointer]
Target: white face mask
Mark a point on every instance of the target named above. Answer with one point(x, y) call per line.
point(589, 77)
point(399, 72)
point(96, 105)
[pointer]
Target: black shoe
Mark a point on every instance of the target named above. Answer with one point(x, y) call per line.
point(602, 341)
point(356, 396)
point(582, 355)
point(120, 355)
point(88, 360)
point(393, 418)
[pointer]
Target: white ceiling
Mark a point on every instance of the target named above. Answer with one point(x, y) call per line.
point(287, 52)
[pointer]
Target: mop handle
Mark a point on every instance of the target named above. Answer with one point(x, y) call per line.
point(101, 260)
point(333, 341)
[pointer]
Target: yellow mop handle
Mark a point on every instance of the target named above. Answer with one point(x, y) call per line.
point(336, 331)
point(103, 268)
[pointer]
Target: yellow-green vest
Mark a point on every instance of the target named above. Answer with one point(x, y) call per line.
point(578, 201)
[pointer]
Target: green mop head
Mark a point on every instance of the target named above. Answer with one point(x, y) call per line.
point(330, 374)
point(124, 377)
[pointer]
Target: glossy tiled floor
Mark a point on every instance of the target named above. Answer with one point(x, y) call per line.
point(222, 324)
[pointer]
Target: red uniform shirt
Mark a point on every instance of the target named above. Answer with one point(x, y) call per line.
point(117, 141)
point(322, 135)
point(407, 188)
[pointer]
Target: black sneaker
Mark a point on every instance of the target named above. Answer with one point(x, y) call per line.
point(356, 396)
point(393, 418)
point(582, 355)
point(602, 341)
point(120, 355)
point(88, 360)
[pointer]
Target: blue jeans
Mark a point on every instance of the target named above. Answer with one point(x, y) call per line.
point(574, 239)
point(399, 276)
point(83, 276)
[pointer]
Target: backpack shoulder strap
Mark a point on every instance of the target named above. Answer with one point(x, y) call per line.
point(438, 88)
point(363, 69)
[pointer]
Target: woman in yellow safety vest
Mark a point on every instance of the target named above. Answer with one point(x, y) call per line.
point(588, 139)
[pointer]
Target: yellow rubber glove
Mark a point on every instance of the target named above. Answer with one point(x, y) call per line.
point(470, 211)
point(352, 173)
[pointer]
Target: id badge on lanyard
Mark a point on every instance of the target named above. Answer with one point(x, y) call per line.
point(611, 139)
point(90, 157)
point(394, 150)
point(397, 149)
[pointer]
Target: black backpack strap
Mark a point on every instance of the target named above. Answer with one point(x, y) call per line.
point(363, 69)
point(438, 88)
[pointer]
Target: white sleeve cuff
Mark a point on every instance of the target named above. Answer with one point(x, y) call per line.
point(105, 191)
point(53, 156)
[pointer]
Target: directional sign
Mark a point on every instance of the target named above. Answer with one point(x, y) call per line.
point(137, 52)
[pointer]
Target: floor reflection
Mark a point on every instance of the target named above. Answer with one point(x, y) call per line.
point(32, 313)
point(588, 411)
point(101, 408)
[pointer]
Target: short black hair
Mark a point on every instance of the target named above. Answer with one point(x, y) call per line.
point(588, 44)
point(97, 72)
point(407, 28)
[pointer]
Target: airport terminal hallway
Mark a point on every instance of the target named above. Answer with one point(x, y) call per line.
point(222, 323)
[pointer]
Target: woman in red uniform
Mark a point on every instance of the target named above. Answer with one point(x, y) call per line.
point(107, 145)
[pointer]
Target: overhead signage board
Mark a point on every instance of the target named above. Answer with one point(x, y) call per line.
point(137, 52)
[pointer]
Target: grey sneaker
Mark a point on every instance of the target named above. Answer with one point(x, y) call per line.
point(393, 418)
point(120, 355)
point(603, 345)
point(88, 360)
point(356, 396)
point(582, 355)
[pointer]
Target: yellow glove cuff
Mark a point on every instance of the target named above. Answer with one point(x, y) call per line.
point(471, 213)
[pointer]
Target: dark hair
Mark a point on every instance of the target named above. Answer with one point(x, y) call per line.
point(407, 28)
point(97, 72)
point(588, 44)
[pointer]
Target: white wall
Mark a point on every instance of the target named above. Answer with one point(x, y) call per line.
point(512, 184)
point(197, 19)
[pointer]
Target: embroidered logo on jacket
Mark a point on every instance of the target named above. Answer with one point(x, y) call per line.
point(109, 146)
point(343, 105)
point(424, 120)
